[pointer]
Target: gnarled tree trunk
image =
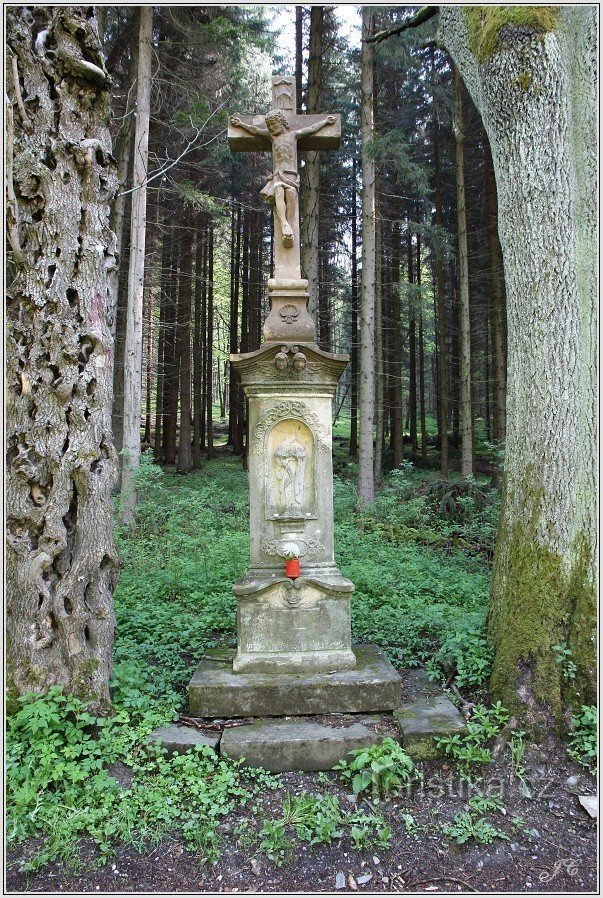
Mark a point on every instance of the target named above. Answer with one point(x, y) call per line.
point(61, 560)
point(535, 86)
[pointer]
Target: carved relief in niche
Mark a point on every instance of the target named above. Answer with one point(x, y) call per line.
point(290, 477)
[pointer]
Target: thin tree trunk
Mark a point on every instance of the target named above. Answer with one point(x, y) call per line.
point(185, 458)
point(299, 21)
point(170, 377)
point(424, 457)
point(354, 313)
point(398, 407)
point(466, 409)
point(440, 300)
point(310, 198)
point(379, 367)
point(133, 346)
point(159, 381)
point(412, 349)
point(497, 305)
point(366, 399)
point(210, 340)
point(149, 365)
point(124, 152)
point(197, 348)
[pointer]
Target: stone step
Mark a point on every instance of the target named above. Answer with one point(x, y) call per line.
point(179, 739)
point(427, 716)
point(295, 744)
point(216, 691)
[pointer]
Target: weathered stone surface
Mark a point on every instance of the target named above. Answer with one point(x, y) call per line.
point(427, 716)
point(290, 744)
point(216, 691)
point(178, 739)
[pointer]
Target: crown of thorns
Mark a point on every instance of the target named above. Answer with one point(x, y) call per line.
point(277, 115)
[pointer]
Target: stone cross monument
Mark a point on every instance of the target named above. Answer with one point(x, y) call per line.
point(294, 653)
point(284, 623)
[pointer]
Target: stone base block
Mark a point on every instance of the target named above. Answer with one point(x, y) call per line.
point(290, 744)
point(178, 739)
point(428, 716)
point(373, 685)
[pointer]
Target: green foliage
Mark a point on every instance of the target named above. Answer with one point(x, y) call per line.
point(583, 739)
point(467, 825)
point(383, 767)
point(470, 750)
point(58, 785)
point(564, 658)
point(174, 601)
point(274, 843)
point(319, 820)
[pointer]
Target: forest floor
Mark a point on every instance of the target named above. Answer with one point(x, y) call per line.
point(551, 845)
point(111, 815)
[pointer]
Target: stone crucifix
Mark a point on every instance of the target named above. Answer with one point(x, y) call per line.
point(284, 132)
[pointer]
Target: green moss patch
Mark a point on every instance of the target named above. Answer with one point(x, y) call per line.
point(484, 24)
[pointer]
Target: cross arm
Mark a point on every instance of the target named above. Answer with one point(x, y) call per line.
point(249, 135)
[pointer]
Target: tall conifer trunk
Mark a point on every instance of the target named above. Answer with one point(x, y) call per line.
point(133, 345)
point(366, 397)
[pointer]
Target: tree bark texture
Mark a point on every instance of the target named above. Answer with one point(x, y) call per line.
point(537, 95)
point(61, 464)
point(366, 387)
point(134, 316)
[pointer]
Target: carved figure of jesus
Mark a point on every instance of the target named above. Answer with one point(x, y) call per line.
point(282, 188)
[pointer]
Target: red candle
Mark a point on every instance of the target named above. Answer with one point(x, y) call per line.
point(292, 568)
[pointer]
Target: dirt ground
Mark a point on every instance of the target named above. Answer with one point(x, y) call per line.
point(553, 849)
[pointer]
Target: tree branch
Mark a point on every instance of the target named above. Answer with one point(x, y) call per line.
point(423, 15)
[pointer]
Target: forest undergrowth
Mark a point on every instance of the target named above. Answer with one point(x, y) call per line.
point(419, 558)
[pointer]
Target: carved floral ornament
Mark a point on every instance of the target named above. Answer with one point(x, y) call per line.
point(309, 547)
point(291, 408)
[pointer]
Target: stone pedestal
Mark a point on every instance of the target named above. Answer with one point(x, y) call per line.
point(284, 624)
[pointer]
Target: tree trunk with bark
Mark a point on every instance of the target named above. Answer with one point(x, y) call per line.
point(210, 342)
point(465, 404)
point(310, 197)
point(61, 464)
point(185, 458)
point(133, 346)
point(366, 391)
point(497, 306)
point(440, 299)
point(354, 317)
point(535, 87)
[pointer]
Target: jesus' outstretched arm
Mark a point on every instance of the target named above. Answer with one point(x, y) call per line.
point(312, 129)
point(251, 129)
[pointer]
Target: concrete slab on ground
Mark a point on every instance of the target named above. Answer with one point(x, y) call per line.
point(178, 739)
point(374, 685)
point(426, 716)
point(293, 744)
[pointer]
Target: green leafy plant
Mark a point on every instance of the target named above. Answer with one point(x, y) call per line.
point(273, 841)
point(470, 749)
point(564, 658)
point(383, 768)
point(467, 826)
point(583, 739)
